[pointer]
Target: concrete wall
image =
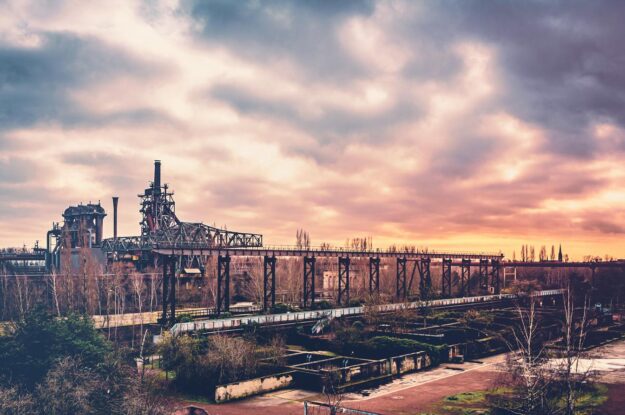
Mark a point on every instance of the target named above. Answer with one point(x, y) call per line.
point(245, 388)
point(455, 350)
point(363, 371)
point(409, 363)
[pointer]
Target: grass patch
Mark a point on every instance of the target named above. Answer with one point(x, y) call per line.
point(479, 402)
point(467, 397)
point(590, 399)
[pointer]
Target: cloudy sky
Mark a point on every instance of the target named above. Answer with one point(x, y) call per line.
point(466, 125)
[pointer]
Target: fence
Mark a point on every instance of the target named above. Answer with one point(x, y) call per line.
point(318, 408)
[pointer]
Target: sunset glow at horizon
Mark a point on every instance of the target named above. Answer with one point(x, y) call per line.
point(465, 126)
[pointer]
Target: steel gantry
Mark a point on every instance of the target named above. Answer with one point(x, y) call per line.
point(343, 280)
point(223, 284)
point(374, 276)
point(422, 262)
point(446, 277)
point(269, 282)
point(401, 279)
point(465, 278)
point(169, 289)
point(495, 275)
point(483, 274)
point(309, 281)
point(425, 278)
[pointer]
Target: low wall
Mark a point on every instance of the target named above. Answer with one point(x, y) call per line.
point(363, 371)
point(410, 362)
point(245, 388)
point(454, 351)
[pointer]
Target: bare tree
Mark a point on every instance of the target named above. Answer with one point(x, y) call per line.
point(302, 239)
point(332, 393)
point(569, 371)
point(526, 364)
point(55, 291)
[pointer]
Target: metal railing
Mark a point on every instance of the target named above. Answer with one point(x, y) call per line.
point(266, 319)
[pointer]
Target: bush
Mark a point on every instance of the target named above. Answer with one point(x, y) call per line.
point(41, 339)
point(321, 305)
point(280, 308)
point(349, 341)
point(184, 318)
point(222, 315)
point(199, 367)
point(63, 365)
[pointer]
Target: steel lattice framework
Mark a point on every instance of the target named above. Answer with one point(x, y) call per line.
point(162, 229)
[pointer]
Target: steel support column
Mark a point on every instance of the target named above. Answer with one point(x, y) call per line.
point(592, 277)
point(465, 279)
point(495, 276)
point(172, 290)
point(165, 264)
point(483, 274)
point(401, 279)
point(269, 282)
point(425, 278)
point(223, 284)
point(343, 281)
point(446, 277)
point(374, 276)
point(309, 281)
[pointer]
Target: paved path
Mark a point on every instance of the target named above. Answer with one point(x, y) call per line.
point(407, 395)
point(419, 392)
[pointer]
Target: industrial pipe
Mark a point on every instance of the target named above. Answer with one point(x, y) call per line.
point(115, 200)
point(157, 175)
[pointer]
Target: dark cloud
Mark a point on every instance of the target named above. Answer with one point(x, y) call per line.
point(332, 129)
point(302, 32)
point(603, 226)
point(561, 62)
point(36, 82)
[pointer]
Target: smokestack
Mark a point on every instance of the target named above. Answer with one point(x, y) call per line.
point(157, 175)
point(115, 200)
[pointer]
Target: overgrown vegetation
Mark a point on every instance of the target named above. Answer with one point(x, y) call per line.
point(64, 366)
point(497, 401)
point(354, 340)
point(199, 365)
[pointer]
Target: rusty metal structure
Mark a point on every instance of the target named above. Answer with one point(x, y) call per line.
point(171, 245)
point(161, 228)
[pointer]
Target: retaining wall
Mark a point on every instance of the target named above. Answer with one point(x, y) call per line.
point(250, 387)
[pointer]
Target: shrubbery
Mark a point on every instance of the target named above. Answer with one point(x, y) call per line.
point(321, 305)
point(201, 365)
point(353, 340)
point(281, 308)
point(385, 346)
point(64, 366)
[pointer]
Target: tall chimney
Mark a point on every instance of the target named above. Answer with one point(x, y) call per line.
point(115, 200)
point(157, 175)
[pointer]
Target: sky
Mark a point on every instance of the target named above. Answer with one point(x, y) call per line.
point(459, 125)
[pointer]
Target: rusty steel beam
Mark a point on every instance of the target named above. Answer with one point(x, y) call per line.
point(223, 284)
point(309, 281)
point(343, 280)
point(374, 276)
point(269, 282)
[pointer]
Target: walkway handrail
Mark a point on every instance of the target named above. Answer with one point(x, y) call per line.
point(234, 322)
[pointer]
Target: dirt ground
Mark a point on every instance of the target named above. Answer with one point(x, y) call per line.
point(421, 392)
